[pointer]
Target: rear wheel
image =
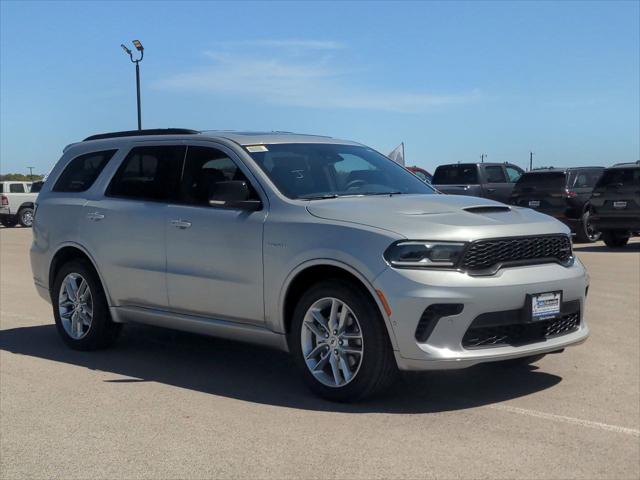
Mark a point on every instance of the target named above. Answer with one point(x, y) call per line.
point(25, 217)
point(587, 233)
point(80, 308)
point(339, 342)
point(615, 238)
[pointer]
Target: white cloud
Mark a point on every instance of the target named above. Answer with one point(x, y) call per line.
point(313, 81)
point(286, 44)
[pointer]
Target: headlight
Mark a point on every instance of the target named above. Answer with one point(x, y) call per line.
point(424, 254)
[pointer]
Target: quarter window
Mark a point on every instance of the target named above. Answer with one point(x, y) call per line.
point(16, 188)
point(148, 173)
point(82, 171)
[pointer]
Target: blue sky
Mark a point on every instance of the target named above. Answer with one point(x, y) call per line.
point(452, 80)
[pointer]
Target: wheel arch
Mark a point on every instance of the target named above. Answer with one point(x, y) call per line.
point(308, 273)
point(70, 251)
point(26, 205)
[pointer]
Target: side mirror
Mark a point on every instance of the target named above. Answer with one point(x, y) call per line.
point(233, 194)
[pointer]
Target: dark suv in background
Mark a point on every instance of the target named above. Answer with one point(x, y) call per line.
point(563, 193)
point(489, 180)
point(615, 203)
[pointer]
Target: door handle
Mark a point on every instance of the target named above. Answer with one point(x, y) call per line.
point(95, 216)
point(182, 224)
point(491, 190)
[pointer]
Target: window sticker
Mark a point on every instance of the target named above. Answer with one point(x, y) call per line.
point(256, 148)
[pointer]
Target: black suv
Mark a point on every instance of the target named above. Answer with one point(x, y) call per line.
point(615, 203)
point(489, 180)
point(563, 193)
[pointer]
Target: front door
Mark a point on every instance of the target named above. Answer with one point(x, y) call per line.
point(214, 254)
point(496, 185)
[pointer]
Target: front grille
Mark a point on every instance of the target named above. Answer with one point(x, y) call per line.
point(516, 334)
point(489, 254)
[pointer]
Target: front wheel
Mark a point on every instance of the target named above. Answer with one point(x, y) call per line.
point(615, 239)
point(25, 217)
point(80, 308)
point(340, 343)
point(587, 233)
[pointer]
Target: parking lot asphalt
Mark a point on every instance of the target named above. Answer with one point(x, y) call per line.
point(164, 404)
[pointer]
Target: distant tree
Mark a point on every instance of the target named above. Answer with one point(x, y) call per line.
point(19, 177)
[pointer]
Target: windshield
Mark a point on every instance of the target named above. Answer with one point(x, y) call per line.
point(313, 171)
point(462, 174)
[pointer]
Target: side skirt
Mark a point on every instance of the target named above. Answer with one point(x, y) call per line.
point(201, 325)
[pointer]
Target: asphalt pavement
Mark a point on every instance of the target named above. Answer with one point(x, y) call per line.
point(164, 404)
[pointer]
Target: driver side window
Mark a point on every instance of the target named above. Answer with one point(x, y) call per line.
point(206, 171)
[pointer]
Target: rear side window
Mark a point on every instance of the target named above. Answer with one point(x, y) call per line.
point(82, 171)
point(455, 175)
point(495, 174)
point(16, 188)
point(149, 173)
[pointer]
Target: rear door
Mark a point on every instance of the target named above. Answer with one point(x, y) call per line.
point(214, 254)
point(542, 191)
point(496, 185)
point(125, 228)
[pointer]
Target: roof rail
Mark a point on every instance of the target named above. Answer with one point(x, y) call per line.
point(137, 133)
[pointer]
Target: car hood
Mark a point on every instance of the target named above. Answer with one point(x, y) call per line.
point(437, 217)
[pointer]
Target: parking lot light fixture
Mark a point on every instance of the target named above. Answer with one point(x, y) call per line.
point(140, 48)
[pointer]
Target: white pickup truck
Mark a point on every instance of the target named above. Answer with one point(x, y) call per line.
point(17, 202)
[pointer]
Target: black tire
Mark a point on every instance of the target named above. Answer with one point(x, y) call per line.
point(9, 222)
point(615, 238)
point(378, 369)
point(25, 217)
point(522, 361)
point(586, 232)
point(103, 331)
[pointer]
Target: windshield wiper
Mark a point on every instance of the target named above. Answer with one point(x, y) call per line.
point(381, 193)
point(319, 197)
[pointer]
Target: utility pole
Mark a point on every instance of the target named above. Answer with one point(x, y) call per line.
point(482, 157)
point(30, 172)
point(531, 161)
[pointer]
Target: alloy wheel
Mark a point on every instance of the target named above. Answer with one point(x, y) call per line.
point(75, 306)
point(332, 342)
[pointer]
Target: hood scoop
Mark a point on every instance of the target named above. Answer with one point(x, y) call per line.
point(488, 209)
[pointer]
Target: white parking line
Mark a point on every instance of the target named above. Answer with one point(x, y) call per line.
point(565, 419)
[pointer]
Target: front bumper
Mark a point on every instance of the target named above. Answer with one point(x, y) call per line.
point(410, 292)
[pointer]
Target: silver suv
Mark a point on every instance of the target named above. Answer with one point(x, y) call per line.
point(321, 247)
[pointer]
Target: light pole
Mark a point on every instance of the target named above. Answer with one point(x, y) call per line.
point(482, 157)
point(30, 172)
point(140, 48)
